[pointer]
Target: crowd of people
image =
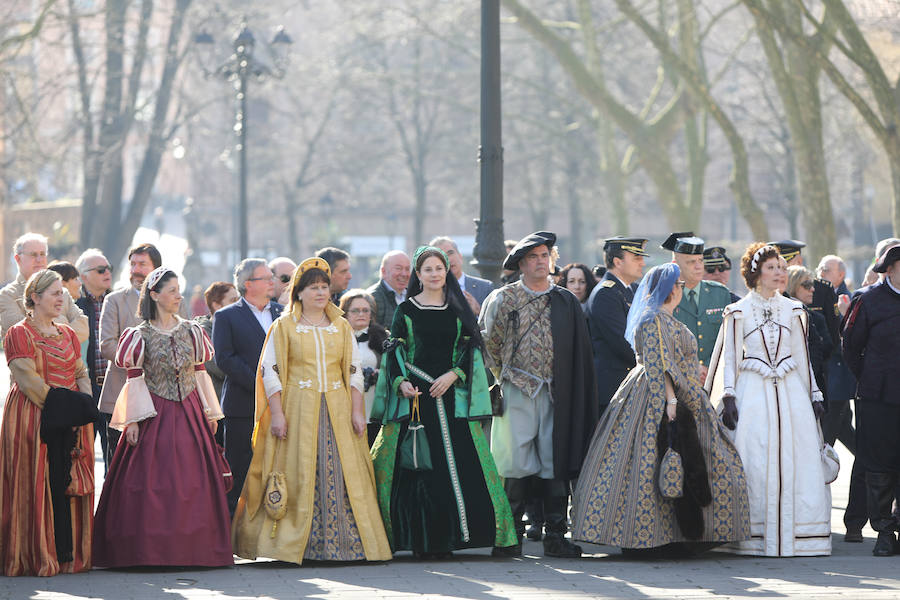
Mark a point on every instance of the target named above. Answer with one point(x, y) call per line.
point(297, 419)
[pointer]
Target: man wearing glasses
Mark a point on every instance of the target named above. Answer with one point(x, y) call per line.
point(282, 269)
point(239, 332)
point(96, 281)
point(30, 252)
point(718, 268)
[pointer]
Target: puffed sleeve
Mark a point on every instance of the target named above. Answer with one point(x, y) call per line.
point(269, 368)
point(203, 351)
point(19, 350)
point(356, 376)
point(134, 403)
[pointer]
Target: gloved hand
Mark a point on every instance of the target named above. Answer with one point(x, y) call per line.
point(818, 409)
point(730, 412)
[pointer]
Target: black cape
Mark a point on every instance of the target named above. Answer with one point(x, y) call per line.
point(575, 406)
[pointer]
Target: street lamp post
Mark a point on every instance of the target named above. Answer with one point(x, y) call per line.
point(489, 250)
point(240, 67)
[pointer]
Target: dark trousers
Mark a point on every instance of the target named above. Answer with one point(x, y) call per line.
point(878, 442)
point(238, 452)
point(112, 439)
point(838, 424)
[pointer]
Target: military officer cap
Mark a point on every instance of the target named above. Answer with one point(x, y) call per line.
point(788, 248)
point(891, 256)
point(525, 245)
point(634, 245)
point(715, 258)
point(684, 242)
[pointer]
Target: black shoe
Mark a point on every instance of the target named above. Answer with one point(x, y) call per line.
point(885, 544)
point(507, 551)
point(534, 533)
point(560, 547)
point(853, 536)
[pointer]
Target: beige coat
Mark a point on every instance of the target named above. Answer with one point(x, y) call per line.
point(12, 309)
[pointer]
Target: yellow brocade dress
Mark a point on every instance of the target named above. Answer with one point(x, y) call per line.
point(332, 509)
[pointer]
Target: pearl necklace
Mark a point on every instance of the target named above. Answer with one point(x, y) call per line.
point(321, 323)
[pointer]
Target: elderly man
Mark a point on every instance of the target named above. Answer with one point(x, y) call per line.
point(120, 312)
point(239, 332)
point(607, 312)
point(282, 268)
point(390, 290)
point(475, 289)
point(30, 253)
point(339, 263)
point(871, 348)
point(537, 345)
point(703, 301)
point(96, 281)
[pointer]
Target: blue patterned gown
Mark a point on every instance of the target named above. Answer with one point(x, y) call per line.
point(617, 500)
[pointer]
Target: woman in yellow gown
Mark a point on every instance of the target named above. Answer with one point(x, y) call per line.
point(310, 426)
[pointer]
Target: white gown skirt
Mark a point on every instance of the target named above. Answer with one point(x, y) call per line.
point(777, 438)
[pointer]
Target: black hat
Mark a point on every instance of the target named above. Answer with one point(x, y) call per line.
point(684, 242)
point(788, 249)
point(891, 256)
point(715, 256)
point(634, 245)
point(525, 245)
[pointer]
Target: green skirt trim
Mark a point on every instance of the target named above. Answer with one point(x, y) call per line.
point(384, 454)
point(505, 527)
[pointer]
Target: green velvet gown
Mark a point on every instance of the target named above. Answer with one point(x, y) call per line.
point(460, 502)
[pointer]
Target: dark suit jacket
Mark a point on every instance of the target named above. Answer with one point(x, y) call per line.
point(87, 307)
point(478, 287)
point(607, 313)
point(385, 303)
point(871, 344)
point(238, 340)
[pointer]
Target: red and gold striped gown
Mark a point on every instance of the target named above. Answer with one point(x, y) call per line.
point(27, 541)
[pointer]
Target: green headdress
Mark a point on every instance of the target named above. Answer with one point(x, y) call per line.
point(422, 249)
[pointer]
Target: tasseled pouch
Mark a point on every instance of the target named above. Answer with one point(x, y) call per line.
point(276, 496)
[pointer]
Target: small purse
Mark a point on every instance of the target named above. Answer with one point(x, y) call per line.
point(415, 455)
point(82, 470)
point(225, 468)
point(276, 496)
point(831, 462)
point(671, 469)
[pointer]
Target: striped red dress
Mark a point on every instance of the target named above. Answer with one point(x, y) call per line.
point(27, 542)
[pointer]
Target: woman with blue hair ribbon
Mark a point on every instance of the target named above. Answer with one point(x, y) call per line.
point(661, 403)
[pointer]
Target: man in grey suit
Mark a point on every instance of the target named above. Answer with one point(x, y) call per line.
point(119, 313)
point(475, 289)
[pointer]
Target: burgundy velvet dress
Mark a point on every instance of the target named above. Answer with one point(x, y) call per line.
point(163, 502)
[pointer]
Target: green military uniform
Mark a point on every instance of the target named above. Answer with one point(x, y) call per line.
point(704, 321)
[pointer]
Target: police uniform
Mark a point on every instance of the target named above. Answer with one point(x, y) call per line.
point(703, 314)
point(715, 258)
point(871, 348)
point(607, 312)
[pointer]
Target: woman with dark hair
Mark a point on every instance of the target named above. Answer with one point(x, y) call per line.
point(434, 361)
point(761, 370)
point(163, 502)
point(70, 277)
point(358, 307)
point(618, 500)
point(578, 279)
point(310, 490)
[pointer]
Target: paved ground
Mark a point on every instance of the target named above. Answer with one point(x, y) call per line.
point(851, 572)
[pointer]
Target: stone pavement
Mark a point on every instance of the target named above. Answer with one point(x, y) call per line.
point(851, 572)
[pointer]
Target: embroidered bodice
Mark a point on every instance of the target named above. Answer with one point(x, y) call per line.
point(767, 335)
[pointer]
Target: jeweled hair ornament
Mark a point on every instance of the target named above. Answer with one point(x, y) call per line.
point(156, 275)
point(754, 264)
point(314, 263)
point(421, 249)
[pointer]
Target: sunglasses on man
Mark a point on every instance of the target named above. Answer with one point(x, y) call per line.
point(101, 270)
point(719, 268)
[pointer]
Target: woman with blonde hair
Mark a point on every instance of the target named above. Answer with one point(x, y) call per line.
point(310, 490)
point(45, 519)
point(761, 372)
